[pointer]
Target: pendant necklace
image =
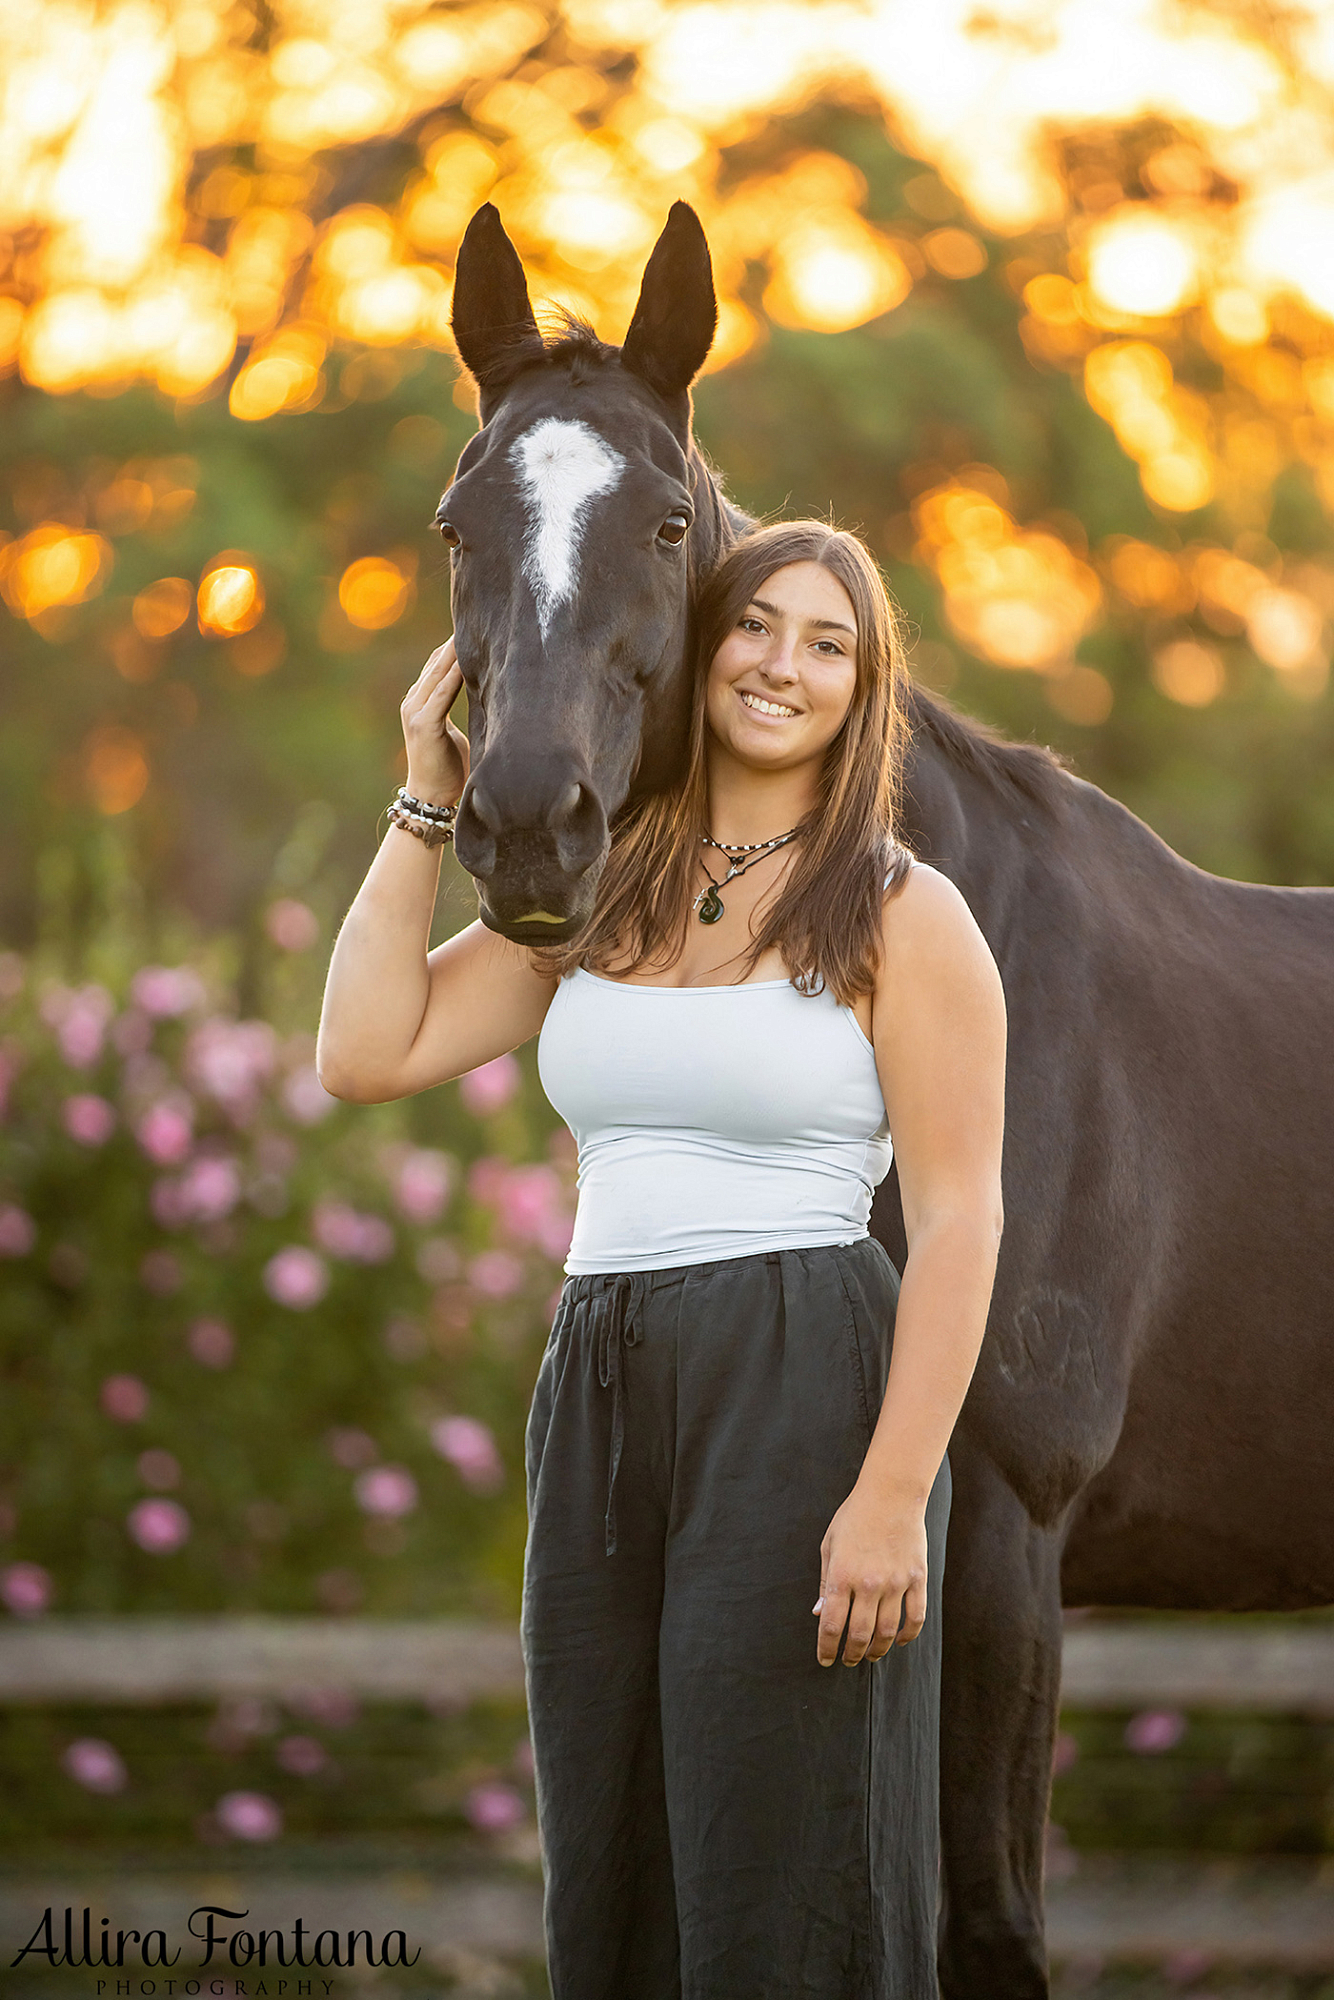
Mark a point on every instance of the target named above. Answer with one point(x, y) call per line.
point(708, 905)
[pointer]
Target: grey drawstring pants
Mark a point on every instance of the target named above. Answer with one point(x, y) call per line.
point(721, 1817)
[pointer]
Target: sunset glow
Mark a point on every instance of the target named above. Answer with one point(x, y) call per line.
point(231, 598)
point(1018, 597)
point(375, 592)
point(1151, 183)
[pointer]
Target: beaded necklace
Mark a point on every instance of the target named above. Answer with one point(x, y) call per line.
point(708, 905)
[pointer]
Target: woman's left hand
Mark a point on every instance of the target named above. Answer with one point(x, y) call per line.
point(873, 1567)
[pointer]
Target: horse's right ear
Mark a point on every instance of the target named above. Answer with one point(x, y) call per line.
point(494, 328)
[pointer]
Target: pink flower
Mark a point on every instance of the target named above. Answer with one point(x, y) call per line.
point(296, 1277)
point(303, 1756)
point(293, 926)
point(348, 1233)
point(422, 1183)
point(494, 1808)
point(1065, 1754)
point(166, 990)
point(305, 1098)
point(159, 1470)
point(249, 1816)
point(168, 1208)
point(208, 1190)
point(486, 1177)
point(495, 1274)
point(330, 1707)
point(230, 1061)
point(18, 1231)
point(212, 1186)
point(125, 1398)
point(526, 1197)
point(159, 1526)
point(80, 1016)
point(530, 1202)
point(26, 1589)
point(166, 1129)
point(386, 1491)
point(350, 1447)
point(1154, 1730)
point(211, 1342)
point(97, 1766)
point(471, 1449)
point(160, 1273)
point(556, 1235)
point(90, 1120)
point(486, 1089)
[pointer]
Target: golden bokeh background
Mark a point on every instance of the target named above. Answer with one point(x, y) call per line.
point(261, 204)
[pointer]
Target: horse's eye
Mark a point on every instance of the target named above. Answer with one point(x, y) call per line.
point(673, 530)
point(450, 535)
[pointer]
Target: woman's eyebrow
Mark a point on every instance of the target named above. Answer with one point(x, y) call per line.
point(823, 624)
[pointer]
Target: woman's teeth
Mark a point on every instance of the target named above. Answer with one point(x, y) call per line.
point(766, 707)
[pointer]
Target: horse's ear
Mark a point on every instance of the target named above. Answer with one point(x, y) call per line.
point(494, 328)
point(673, 327)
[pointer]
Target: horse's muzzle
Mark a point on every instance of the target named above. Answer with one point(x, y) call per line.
point(536, 862)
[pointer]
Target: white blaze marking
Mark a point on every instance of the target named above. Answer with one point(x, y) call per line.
point(562, 465)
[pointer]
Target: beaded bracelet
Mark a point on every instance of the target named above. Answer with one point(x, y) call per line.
point(434, 832)
point(442, 815)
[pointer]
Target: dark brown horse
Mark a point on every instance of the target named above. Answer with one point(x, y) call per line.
point(1150, 1420)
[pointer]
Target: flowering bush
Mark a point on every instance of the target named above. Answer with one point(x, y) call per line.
point(262, 1349)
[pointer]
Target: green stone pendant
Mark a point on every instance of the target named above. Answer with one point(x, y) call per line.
point(711, 908)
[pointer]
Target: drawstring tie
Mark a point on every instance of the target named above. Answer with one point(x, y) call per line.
point(614, 1310)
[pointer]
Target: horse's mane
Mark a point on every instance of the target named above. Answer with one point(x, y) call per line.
point(1038, 773)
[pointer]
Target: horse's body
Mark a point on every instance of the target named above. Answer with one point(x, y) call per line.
point(1149, 1421)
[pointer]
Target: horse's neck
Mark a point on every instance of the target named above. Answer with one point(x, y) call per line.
point(1062, 861)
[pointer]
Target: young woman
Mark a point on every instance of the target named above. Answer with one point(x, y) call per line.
point(769, 987)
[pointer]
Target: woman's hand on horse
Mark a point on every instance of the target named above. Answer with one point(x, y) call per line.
point(872, 1578)
point(437, 751)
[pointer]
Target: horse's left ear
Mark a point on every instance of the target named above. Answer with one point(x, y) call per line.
point(673, 327)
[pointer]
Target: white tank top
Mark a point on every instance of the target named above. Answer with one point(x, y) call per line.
point(712, 1121)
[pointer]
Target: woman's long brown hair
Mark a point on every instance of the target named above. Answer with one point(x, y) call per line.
point(826, 920)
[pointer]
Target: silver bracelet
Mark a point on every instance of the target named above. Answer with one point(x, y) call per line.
point(442, 815)
point(433, 832)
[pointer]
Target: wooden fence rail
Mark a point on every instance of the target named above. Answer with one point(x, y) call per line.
point(1120, 1663)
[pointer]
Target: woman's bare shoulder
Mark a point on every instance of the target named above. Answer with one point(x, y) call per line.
point(928, 926)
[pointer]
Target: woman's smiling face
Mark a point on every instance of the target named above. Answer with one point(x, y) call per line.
point(783, 679)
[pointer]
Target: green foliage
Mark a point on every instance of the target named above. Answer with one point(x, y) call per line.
point(1226, 1783)
point(383, 1784)
point(180, 1427)
point(234, 755)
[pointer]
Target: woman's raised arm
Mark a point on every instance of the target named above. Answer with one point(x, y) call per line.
point(396, 1018)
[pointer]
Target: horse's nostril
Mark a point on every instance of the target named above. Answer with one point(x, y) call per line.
point(484, 809)
point(567, 805)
